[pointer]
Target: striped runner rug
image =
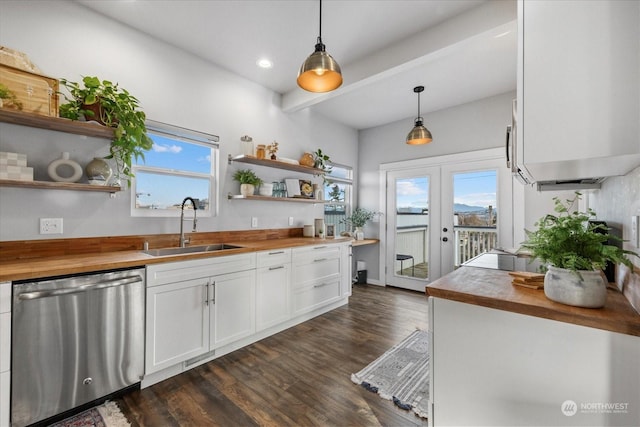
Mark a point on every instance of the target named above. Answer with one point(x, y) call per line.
point(401, 374)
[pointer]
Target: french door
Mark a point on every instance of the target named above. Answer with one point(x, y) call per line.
point(439, 216)
point(412, 257)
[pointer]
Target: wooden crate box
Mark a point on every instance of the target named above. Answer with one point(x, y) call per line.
point(36, 93)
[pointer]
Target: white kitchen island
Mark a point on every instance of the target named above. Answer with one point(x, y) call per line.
point(502, 355)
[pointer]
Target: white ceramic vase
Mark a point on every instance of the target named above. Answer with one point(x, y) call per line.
point(580, 289)
point(247, 189)
point(358, 233)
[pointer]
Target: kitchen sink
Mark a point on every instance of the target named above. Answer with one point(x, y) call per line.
point(190, 249)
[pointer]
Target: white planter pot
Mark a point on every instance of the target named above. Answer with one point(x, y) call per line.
point(588, 289)
point(247, 189)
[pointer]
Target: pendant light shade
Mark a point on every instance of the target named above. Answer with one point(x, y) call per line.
point(320, 72)
point(419, 134)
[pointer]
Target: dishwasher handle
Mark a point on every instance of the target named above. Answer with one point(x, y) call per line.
point(84, 288)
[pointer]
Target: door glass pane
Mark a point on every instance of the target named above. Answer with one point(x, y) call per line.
point(412, 224)
point(475, 216)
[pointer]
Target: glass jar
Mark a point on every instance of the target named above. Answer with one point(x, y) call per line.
point(260, 151)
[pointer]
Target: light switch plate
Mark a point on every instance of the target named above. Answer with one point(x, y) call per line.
point(635, 235)
point(254, 222)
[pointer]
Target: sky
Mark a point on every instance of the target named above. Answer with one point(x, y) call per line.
point(470, 188)
point(162, 190)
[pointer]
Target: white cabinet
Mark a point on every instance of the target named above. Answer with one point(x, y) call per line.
point(315, 277)
point(177, 323)
point(233, 307)
point(5, 352)
point(578, 88)
point(511, 369)
point(346, 258)
point(196, 306)
point(273, 288)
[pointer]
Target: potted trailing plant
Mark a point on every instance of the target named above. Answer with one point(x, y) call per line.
point(321, 160)
point(112, 106)
point(358, 218)
point(248, 181)
point(574, 253)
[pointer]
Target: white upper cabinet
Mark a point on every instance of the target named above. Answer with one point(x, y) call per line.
point(578, 88)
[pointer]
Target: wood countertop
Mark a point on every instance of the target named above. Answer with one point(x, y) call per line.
point(35, 267)
point(493, 289)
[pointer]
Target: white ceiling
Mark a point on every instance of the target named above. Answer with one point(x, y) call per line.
point(460, 50)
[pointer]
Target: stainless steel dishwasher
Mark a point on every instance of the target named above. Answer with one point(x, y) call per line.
point(75, 339)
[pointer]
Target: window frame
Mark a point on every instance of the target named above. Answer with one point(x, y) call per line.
point(348, 196)
point(190, 137)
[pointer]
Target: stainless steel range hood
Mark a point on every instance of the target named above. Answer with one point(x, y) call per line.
point(572, 184)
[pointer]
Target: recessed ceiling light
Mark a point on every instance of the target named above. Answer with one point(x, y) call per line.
point(264, 63)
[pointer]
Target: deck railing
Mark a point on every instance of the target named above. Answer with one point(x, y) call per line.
point(472, 241)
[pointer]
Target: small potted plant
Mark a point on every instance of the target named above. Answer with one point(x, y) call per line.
point(272, 149)
point(112, 106)
point(359, 217)
point(574, 252)
point(321, 160)
point(248, 181)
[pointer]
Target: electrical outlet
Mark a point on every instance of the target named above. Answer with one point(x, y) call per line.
point(254, 222)
point(50, 225)
point(290, 220)
point(635, 224)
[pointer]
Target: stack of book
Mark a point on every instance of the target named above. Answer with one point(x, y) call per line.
point(528, 280)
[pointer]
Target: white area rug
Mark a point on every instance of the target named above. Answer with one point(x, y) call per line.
point(401, 374)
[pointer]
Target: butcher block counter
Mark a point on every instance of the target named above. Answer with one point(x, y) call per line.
point(493, 289)
point(20, 260)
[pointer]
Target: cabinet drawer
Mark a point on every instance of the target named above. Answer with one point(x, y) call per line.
point(314, 253)
point(5, 297)
point(316, 295)
point(158, 274)
point(319, 269)
point(274, 257)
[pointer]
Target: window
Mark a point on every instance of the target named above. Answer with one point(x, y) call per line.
point(182, 163)
point(338, 191)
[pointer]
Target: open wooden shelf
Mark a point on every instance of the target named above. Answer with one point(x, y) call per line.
point(275, 164)
point(50, 185)
point(275, 199)
point(55, 123)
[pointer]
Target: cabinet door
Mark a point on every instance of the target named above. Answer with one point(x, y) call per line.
point(578, 86)
point(5, 389)
point(272, 300)
point(345, 270)
point(234, 307)
point(177, 323)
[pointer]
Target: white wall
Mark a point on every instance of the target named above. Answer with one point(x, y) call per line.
point(67, 40)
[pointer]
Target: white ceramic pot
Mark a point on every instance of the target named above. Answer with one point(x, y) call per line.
point(247, 189)
point(266, 189)
point(580, 289)
point(358, 233)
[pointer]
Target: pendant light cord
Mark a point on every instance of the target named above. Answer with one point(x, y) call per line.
point(320, 26)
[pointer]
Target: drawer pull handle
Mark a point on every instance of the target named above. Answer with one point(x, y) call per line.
point(319, 247)
point(319, 260)
point(276, 268)
point(276, 253)
point(319, 285)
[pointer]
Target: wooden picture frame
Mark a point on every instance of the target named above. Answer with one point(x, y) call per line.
point(330, 231)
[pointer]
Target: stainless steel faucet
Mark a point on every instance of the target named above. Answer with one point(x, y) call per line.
point(183, 241)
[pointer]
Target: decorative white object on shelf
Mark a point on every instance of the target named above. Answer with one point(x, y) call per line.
point(319, 227)
point(65, 163)
point(98, 171)
point(308, 231)
point(247, 189)
point(266, 189)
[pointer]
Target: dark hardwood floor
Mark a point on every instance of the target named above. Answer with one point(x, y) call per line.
point(299, 377)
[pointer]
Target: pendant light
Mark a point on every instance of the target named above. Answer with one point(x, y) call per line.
point(419, 134)
point(320, 72)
